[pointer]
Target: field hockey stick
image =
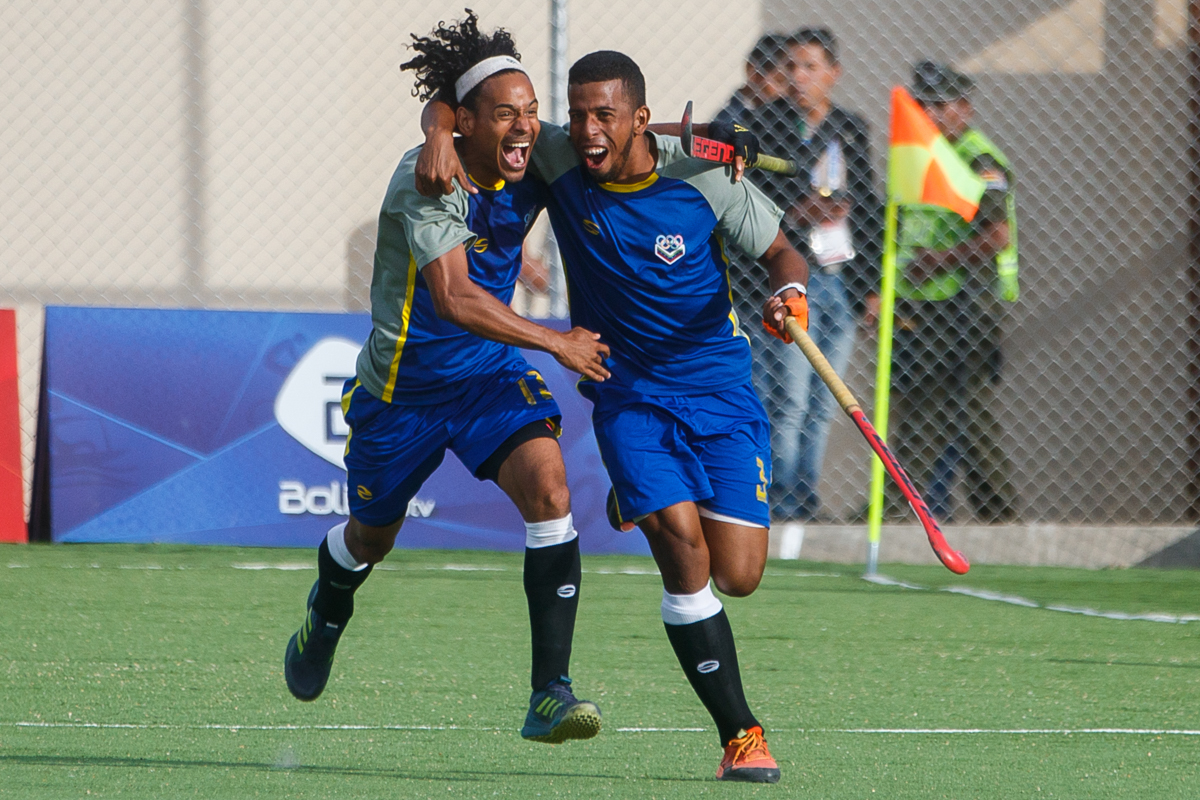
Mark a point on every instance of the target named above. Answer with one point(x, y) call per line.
point(955, 561)
point(722, 153)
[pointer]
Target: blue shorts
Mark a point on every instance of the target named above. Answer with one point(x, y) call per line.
point(712, 449)
point(392, 449)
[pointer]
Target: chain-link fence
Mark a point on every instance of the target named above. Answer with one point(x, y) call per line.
point(228, 155)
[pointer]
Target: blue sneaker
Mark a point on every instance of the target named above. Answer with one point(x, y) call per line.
point(309, 657)
point(555, 715)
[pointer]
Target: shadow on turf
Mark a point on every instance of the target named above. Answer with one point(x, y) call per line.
point(441, 775)
point(1119, 663)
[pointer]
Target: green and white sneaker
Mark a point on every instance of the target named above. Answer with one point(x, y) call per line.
point(309, 656)
point(556, 716)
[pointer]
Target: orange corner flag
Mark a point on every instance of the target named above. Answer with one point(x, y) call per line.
point(923, 167)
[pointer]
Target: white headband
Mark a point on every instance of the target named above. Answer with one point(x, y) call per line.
point(482, 71)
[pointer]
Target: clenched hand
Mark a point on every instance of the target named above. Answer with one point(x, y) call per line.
point(581, 351)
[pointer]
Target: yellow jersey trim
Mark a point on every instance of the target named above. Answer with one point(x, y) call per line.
point(733, 317)
point(630, 187)
point(346, 410)
point(405, 316)
point(499, 185)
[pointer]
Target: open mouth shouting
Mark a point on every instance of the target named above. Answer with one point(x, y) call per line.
point(515, 154)
point(594, 157)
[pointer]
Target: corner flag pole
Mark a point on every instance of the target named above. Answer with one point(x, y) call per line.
point(883, 379)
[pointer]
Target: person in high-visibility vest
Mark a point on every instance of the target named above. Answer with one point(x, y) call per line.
point(953, 280)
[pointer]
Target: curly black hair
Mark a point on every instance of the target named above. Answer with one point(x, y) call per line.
point(448, 52)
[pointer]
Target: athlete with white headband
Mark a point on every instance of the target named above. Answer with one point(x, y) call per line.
point(441, 370)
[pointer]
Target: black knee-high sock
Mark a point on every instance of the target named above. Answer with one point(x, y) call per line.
point(335, 587)
point(709, 659)
point(552, 589)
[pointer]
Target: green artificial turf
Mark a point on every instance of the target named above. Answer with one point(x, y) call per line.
point(435, 669)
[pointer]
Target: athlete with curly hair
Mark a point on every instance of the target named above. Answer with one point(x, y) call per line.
point(441, 370)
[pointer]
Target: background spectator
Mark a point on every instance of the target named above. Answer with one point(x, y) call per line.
point(767, 77)
point(947, 356)
point(833, 218)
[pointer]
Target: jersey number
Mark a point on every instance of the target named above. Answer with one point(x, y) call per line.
point(538, 387)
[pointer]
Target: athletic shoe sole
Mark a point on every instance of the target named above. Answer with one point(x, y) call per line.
point(582, 721)
point(752, 775)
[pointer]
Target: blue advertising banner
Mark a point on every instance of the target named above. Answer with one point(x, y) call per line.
point(225, 427)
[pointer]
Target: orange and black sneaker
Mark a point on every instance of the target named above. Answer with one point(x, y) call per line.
point(748, 759)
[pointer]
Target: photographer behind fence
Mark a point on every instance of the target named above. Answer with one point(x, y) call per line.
point(951, 277)
point(833, 219)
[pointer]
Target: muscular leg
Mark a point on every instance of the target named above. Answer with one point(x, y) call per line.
point(344, 561)
point(677, 543)
point(368, 544)
point(696, 624)
point(737, 555)
point(534, 477)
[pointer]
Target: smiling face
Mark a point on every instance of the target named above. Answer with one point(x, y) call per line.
point(499, 132)
point(605, 126)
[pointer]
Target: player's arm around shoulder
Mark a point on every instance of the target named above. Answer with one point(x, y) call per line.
point(460, 301)
point(438, 166)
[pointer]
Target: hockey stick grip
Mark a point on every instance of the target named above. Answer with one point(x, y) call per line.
point(821, 365)
point(772, 164)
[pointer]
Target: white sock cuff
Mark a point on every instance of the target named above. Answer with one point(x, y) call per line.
point(684, 609)
point(550, 532)
point(336, 539)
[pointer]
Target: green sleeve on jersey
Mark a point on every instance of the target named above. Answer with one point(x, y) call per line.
point(433, 226)
point(750, 220)
point(553, 154)
point(670, 150)
point(745, 216)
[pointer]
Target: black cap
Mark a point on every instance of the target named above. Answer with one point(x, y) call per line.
point(938, 83)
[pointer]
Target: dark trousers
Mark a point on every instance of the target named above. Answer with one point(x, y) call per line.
point(946, 365)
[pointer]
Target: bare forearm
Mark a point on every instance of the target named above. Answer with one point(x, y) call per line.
point(785, 266)
point(437, 117)
point(483, 315)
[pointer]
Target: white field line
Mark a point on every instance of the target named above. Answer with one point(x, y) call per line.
point(982, 594)
point(484, 729)
point(1012, 599)
point(880, 580)
point(287, 567)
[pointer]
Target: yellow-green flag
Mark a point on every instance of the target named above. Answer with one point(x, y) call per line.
point(923, 167)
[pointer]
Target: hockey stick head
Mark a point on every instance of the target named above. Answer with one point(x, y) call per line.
point(722, 153)
point(685, 128)
point(953, 560)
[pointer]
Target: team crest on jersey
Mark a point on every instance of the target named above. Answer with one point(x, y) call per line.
point(670, 248)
